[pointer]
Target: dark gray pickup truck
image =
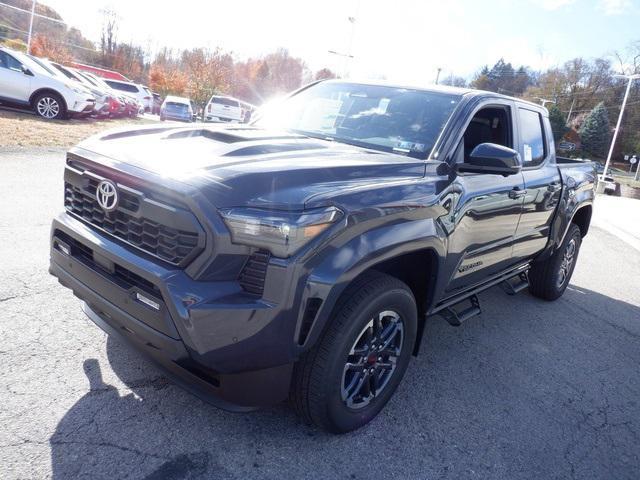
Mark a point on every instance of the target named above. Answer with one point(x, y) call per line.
point(301, 255)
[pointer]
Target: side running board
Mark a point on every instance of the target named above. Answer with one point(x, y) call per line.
point(512, 282)
point(455, 318)
point(512, 288)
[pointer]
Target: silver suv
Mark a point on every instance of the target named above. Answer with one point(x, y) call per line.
point(23, 82)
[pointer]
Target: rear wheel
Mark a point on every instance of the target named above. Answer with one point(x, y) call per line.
point(549, 279)
point(347, 378)
point(50, 106)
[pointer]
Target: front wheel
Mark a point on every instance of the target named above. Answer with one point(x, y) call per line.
point(50, 106)
point(346, 379)
point(548, 279)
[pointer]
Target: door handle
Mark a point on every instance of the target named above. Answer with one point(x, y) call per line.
point(517, 192)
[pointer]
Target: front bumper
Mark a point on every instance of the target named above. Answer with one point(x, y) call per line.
point(187, 339)
point(215, 118)
point(81, 104)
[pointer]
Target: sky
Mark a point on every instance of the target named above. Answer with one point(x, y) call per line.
point(401, 40)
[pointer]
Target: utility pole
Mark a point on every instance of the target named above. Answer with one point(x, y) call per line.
point(573, 102)
point(630, 79)
point(33, 11)
point(438, 75)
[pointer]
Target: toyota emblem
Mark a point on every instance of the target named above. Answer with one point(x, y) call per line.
point(107, 195)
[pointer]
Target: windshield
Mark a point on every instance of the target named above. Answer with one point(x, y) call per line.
point(225, 101)
point(399, 120)
point(98, 81)
point(86, 77)
point(50, 70)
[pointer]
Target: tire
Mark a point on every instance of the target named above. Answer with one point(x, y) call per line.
point(548, 279)
point(327, 393)
point(50, 106)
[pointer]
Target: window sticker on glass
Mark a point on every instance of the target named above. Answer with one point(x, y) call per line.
point(407, 147)
point(322, 116)
point(382, 106)
point(528, 153)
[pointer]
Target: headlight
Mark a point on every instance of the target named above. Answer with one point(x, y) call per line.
point(282, 233)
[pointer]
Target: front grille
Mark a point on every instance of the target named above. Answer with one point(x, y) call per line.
point(162, 241)
point(253, 273)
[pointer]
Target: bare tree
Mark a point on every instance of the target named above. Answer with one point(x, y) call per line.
point(108, 35)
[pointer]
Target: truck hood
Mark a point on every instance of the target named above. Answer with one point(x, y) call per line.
point(242, 165)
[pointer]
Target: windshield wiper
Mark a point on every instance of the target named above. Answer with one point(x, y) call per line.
point(347, 141)
point(369, 146)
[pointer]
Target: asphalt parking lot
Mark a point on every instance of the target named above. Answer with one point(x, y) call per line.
point(527, 390)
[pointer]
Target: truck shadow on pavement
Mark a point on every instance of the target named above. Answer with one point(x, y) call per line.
point(528, 389)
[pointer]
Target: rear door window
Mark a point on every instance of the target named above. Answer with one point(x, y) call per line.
point(532, 141)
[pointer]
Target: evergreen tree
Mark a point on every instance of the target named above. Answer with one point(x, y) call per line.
point(558, 123)
point(595, 132)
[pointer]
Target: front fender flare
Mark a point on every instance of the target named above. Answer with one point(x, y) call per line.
point(336, 271)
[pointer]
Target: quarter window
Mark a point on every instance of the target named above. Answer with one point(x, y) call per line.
point(532, 146)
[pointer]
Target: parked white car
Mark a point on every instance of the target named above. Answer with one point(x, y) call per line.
point(140, 92)
point(102, 98)
point(608, 184)
point(24, 82)
point(223, 109)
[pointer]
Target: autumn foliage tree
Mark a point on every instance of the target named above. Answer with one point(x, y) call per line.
point(207, 72)
point(46, 47)
point(166, 80)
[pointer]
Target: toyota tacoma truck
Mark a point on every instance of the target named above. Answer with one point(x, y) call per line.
point(299, 256)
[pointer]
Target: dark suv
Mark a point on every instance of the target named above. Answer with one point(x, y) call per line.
point(300, 256)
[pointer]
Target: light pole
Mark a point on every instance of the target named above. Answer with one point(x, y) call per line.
point(630, 79)
point(33, 11)
point(438, 75)
point(346, 56)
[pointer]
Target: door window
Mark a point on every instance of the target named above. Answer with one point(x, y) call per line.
point(532, 149)
point(7, 61)
point(488, 125)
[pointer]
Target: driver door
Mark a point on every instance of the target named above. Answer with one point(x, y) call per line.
point(486, 207)
point(15, 85)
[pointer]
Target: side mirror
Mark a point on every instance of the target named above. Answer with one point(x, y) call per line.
point(26, 71)
point(491, 158)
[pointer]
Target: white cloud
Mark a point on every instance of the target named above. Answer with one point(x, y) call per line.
point(615, 7)
point(553, 4)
